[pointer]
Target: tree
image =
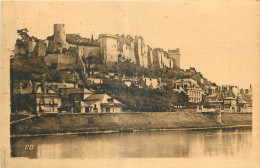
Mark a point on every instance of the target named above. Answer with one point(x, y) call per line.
point(183, 99)
point(22, 43)
point(24, 35)
point(92, 38)
point(214, 84)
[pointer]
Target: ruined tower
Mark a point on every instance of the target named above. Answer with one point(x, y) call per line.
point(175, 55)
point(59, 33)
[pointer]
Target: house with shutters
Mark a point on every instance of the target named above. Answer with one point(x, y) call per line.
point(190, 88)
point(47, 101)
point(100, 103)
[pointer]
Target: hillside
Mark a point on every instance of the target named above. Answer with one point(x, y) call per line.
point(78, 40)
point(31, 67)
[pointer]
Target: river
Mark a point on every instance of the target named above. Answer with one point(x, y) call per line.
point(154, 144)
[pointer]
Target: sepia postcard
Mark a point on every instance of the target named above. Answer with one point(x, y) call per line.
point(130, 84)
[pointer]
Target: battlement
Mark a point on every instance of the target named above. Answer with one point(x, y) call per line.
point(108, 36)
point(176, 51)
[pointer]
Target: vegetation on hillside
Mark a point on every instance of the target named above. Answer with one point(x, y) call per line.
point(78, 40)
point(134, 98)
point(24, 68)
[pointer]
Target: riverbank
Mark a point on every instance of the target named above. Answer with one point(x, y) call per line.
point(59, 124)
point(121, 131)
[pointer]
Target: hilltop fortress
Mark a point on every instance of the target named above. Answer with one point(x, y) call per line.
point(57, 50)
point(125, 67)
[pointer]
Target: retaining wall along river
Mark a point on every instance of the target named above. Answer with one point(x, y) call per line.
point(77, 123)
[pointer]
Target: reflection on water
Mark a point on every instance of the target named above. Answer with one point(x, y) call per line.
point(170, 144)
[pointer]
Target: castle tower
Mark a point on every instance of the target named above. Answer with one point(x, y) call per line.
point(138, 50)
point(108, 47)
point(175, 55)
point(59, 33)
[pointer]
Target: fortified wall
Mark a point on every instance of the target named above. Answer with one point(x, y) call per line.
point(111, 48)
point(61, 61)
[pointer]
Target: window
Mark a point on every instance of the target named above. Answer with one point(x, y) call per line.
point(41, 101)
point(46, 100)
point(47, 109)
point(53, 66)
point(107, 109)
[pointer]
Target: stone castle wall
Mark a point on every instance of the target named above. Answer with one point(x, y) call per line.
point(61, 61)
point(110, 47)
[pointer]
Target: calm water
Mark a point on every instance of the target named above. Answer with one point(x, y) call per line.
point(165, 144)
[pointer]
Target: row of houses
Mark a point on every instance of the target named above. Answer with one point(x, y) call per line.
point(228, 99)
point(216, 98)
point(224, 98)
point(68, 98)
point(153, 83)
point(228, 105)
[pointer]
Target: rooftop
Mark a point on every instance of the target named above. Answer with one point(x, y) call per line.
point(177, 50)
point(104, 98)
point(186, 80)
point(229, 98)
point(107, 35)
point(242, 101)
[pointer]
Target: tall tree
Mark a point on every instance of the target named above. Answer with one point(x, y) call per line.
point(183, 99)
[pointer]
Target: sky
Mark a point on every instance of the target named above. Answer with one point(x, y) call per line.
point(221, 39)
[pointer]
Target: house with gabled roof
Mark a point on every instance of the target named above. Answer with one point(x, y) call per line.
point(100, 103)
point(47, 101)
point(72, 97)
point(230, 104)
point(190, 88)
point(243, 106)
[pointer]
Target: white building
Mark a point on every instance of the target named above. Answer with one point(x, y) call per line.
point(191, 88)
point(151, 82)
point(100, 103)
point(108, 47)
